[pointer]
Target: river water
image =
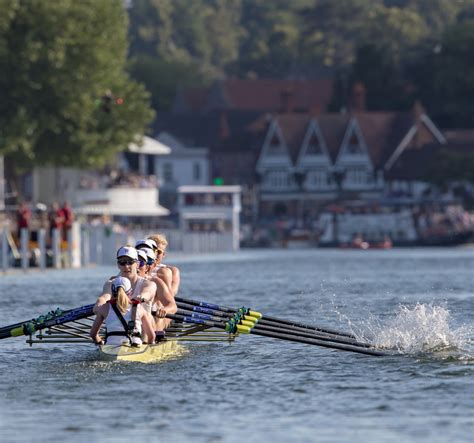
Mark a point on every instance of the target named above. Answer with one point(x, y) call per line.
point(418, 301)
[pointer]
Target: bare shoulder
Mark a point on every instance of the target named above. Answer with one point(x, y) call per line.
point(103, 310)
point(164, 270)
point(107, 289)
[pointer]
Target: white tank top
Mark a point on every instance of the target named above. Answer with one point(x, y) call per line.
point(113, 324)
point(137, 293)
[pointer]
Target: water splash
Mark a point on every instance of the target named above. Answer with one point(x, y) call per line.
point(423, 328)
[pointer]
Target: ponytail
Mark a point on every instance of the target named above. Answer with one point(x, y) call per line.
point(122, 300)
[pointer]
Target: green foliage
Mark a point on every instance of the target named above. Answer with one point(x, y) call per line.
point(399, 48)
point(445, 77)
point(202, 32)
point(57, 59)
point(448, 167)
point(161, 78)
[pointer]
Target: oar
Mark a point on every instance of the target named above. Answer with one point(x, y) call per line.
point(214, 315)
point(57, 312)
point(54, 318)
point(264, 318)
point(232, 327)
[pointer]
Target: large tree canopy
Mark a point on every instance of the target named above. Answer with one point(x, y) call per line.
point(65, 96)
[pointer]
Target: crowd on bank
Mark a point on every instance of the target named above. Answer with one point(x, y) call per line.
point(432, 222)
point(44, 217)
point(117, 178)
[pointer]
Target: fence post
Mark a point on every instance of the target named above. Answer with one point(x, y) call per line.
point(5, 249)
point(42, 248)
point(56, 248)
point(85, 245)
point(24, 240)
point(73, 244)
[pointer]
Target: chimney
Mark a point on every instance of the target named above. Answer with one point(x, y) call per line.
point(315, 110)
point(287, 100)
point(417, 112)
point(357, 99)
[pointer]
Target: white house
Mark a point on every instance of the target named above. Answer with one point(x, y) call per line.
point(183, 166)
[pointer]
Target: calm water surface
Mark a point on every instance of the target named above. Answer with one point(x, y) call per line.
point(260, 389)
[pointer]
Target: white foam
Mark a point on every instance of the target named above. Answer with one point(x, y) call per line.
point(418, 329)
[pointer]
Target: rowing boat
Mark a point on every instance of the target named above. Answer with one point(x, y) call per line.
point(164, 350)
point(194, 321)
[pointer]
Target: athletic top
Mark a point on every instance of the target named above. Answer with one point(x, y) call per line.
point(137, 293)
point(113, 324)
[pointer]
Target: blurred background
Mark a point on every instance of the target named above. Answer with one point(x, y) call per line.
point(308, 123)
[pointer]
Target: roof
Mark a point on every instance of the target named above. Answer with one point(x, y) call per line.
point(273, 95)
point(149, 146)
point(214, 130)
point(209, 189)
point(104, 209)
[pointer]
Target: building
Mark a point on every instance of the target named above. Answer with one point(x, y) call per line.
point(183, 166)
point(128, 188)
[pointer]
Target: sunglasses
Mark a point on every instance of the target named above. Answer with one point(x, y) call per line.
point(141, 263)
point(126, 261)
point(150, 261)
point(159, 251)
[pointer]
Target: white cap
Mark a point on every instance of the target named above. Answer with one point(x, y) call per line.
point(121, 282)
point(142, 255)
point(146, 243)
point(149, 253)
point(127, 251)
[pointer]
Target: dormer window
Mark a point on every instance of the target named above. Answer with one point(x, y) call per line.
point(314, 147)
point(353, 146)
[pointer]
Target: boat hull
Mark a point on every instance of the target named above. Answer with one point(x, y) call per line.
point(144, 354)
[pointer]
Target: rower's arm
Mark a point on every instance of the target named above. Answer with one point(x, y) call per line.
point(104, 297)
point(164, 296)
point(175, 281)
point(166, 275)
point(148, 330)
point(99, 319)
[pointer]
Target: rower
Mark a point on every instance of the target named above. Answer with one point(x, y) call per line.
point(164, 301)
point(126, 321)
point(142, 288)
point(150, 260)
point(142, 263)
point(169, 274)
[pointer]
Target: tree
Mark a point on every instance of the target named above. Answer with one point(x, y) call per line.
point(203, 33)
point(162, 77)
point(445, 77)
point(59, 61)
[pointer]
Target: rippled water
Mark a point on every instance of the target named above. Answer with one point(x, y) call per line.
point(419, 302)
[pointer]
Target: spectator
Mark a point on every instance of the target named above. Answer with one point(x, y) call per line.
point(68, 216)
point(23, 218)
point(56, 218)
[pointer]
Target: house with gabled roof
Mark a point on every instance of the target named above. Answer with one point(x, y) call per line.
point(307, 161)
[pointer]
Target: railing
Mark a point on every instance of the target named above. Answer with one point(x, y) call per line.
point(89, 244)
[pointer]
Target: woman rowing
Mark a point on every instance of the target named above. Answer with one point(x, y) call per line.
point(169, 274)
point(163, 294)
point(143, 289)
point(126, 322)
